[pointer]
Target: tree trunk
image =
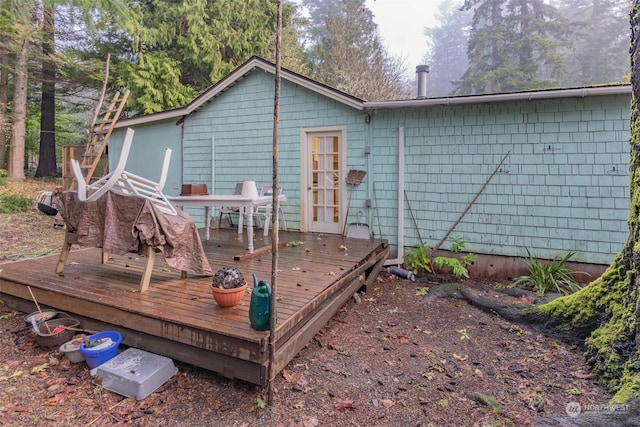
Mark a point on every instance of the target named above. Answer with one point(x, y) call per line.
point(47, 157)
point(4, 96)
point(18, 131)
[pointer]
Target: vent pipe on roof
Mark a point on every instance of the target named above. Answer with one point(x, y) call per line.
point(422, 71)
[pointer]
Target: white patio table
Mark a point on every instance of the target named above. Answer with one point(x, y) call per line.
point(246, 206)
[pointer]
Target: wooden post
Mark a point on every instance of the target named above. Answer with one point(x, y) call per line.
point(275, 208)
point(150, 253)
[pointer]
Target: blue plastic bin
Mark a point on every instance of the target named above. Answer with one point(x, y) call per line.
point(96, 357)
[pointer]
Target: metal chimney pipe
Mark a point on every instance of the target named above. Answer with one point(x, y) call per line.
point(422, 71)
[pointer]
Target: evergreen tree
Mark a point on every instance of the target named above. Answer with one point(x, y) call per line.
point(607, 311)
point(47, 152)
point(293, 55)
point(5, 23)
point(447, 56)
point(166, 55)
point(600, 39)
point(31, 64)
point(181, 48)
point(514, 45)
point(19, 27)
point(605, 315)
point(345, 51)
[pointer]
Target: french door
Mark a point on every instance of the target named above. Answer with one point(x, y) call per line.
point(323, 178)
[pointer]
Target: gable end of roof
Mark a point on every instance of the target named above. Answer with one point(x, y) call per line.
point(233, 78)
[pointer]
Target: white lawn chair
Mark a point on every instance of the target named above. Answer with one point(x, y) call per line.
point(126, 182)
point(265, 211)
point(104, 184)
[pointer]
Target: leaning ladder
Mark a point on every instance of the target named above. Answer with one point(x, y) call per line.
point(99, 135)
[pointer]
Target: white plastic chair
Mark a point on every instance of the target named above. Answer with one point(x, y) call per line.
point(130, 183)
point(126, 182)
point(104, 184)
point(265, 211)
point(229, 210)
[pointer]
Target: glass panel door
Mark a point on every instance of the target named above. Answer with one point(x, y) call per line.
point(325, 182)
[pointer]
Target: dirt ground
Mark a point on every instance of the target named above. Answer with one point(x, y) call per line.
point(387, 358)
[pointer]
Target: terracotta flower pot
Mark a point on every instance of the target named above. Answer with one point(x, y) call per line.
point(228, 297)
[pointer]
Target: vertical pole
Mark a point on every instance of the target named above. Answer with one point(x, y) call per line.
point(400, 192)
point(275, 211)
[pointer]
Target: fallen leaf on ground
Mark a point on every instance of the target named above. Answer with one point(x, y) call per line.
point(308, 421)
point(583, 375)
point(296, 378)
point(14, 407)
point(343, 404)
point(387, 403)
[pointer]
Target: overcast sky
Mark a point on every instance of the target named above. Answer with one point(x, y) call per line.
point(401, 24)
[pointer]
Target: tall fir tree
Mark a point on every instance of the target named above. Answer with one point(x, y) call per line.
point(600, 37)
point(514, 45)
point(31, 59)
point(19, 36)
point(447, 56)
point(181, 48)
point(47, 165)
point(345, 51)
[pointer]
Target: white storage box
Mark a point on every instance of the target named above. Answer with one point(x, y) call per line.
point(135, 373)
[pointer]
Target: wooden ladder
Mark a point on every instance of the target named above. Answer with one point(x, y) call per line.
point(99, 135)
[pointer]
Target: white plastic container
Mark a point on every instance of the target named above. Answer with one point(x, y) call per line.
point(135, 373)
point(71, 349)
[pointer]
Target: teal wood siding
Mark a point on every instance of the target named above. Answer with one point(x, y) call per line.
point(230, 139)
point(563, 187)
point(147, 152)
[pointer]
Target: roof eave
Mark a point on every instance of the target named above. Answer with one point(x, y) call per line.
point(520, 96)
point(151, 118)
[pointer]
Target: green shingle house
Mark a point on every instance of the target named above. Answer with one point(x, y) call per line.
point(563, 185)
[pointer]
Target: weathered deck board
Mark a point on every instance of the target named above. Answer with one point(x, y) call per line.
point(179, 318)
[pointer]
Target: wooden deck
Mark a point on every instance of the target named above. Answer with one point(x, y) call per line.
point(178, 318)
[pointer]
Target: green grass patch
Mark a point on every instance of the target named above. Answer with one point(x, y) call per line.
point(11, 203)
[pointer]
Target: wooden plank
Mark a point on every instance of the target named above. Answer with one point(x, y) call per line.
point(296, 321)
point(292, 346)
point(257, 252)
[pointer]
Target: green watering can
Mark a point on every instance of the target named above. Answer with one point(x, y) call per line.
point(260, 305)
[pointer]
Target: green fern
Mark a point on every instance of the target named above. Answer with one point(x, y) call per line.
point(454, 265)
point(457, 244)
point(418, 259)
